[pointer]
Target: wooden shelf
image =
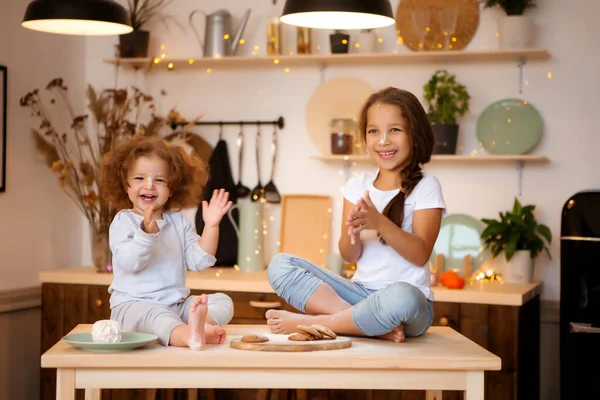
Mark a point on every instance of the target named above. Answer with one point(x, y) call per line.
point(449, 158)
point(337, 59)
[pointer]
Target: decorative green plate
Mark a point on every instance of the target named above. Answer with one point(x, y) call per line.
point(509, 126)
point(460, 235)
point(129, 341)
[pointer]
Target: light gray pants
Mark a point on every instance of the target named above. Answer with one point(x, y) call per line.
point(375, 312)
point(160, 320)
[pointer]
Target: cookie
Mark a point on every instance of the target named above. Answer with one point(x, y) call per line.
point(311, 331)
point(325, 331)
point(300, 337)
point(253, 338)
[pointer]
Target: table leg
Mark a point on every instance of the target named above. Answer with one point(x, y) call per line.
point(65, 384)
point(433, 395)
point(475, 387)
point(93, 394)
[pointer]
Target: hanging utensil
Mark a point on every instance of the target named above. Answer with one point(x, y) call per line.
point(241, 190)
point(258, 193)
point(271, 193)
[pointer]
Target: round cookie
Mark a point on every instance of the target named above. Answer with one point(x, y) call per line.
point(310, 330)
point(300, 337)
point(254, 338)
point(325, 331)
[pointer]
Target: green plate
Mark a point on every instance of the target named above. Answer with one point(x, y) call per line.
point(509, 126)
point(129, 341)
point(460, 235)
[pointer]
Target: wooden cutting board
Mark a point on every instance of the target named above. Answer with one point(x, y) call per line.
point(282, 343)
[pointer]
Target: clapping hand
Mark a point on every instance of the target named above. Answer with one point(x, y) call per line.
point(213, 212)
point(363, 216)
point(149, 223)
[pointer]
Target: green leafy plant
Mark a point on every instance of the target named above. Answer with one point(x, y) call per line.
point(142, 11)
point(511, 7)
point(516, 230)
point(446, 98)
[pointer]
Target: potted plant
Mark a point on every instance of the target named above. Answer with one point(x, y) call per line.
point(446, 100)
point(135, 44)
point(520, 237)
point(515, 29)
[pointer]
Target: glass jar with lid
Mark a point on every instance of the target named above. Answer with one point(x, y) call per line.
point(342, 135)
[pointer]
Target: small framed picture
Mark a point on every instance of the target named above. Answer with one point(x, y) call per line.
point(3, 94)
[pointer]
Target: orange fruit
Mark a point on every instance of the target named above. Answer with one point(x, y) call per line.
point(452, 280)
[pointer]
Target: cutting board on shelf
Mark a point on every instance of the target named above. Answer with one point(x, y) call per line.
point(283, 344)
point(306, 226)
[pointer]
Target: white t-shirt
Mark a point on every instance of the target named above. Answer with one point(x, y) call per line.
point(152, 266)
point(380, 265)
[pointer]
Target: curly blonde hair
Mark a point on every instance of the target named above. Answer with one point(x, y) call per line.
point(187, 175)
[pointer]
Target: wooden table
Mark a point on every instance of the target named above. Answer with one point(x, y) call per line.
point(440, 360)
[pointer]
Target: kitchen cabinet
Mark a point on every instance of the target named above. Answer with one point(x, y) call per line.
point(503, 319)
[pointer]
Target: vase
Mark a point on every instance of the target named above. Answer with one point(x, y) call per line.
point(134, 44)
point(520, 268)
point(515, 31)
point(446, 137)
point(101, 254)
point(339, 42)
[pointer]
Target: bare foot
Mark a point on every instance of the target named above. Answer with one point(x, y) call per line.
point(196, 322)
point(396, 335)
point(214, 334)
point(280, 321)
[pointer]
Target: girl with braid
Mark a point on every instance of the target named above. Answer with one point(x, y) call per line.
point(391, 220)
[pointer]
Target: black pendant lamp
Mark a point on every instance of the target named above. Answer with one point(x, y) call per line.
point(77, 17)
point(338, 14)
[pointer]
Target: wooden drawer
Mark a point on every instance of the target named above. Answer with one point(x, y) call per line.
point(446, 314)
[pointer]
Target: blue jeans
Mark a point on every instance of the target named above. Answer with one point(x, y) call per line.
point(374, 312)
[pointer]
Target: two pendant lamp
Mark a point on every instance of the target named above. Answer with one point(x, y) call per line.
point(106, 17)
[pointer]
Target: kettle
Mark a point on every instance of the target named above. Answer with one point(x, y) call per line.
point(219, 39)
point(250, 235)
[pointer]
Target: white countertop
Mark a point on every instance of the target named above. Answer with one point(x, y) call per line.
point(228, 279)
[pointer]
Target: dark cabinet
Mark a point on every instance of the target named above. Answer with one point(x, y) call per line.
point(510, 332)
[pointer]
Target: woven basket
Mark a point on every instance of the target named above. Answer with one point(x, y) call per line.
point(466, 26)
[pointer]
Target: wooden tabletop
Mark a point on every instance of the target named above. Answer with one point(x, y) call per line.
point(441, 348)
point(230, 279)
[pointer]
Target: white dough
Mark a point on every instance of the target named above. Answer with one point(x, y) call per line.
point(106, 331)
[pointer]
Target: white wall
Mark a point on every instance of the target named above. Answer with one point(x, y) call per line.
point(39, 227)
point(567, 103)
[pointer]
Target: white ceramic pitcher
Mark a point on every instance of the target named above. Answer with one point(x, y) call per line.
point(250, 235)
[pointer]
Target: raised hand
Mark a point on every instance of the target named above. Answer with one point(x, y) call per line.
point(149, 223)
point(365, 217)
point(213, 212)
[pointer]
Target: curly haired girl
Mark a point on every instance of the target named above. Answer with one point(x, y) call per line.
point(153, 245)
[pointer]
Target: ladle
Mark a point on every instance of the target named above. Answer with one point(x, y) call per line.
point(240, 190)
point(258, 193)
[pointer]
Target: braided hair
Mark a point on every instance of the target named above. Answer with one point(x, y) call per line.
point(422, 141)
